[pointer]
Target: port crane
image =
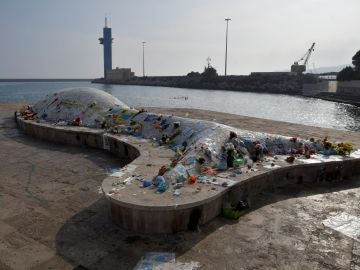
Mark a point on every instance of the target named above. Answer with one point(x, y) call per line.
point(300, 68)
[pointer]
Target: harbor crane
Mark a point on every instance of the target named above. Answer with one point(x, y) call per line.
point(300, 68)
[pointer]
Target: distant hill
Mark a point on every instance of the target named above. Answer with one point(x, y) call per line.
point(328, 69)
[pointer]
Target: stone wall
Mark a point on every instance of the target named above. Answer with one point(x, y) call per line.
point(277, 83)
point(349, 88)
point(312, 89)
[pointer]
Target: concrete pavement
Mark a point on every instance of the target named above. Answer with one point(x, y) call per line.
point(52, 216)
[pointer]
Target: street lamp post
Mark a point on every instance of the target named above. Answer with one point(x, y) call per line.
point(226, 42)
point(143, 56)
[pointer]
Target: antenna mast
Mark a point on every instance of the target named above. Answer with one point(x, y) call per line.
point(208, 60)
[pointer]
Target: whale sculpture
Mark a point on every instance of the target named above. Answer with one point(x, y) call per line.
point(204, 152)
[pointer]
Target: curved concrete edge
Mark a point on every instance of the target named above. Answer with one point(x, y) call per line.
point(79, 136)
point(175, 218)
point(153, 220)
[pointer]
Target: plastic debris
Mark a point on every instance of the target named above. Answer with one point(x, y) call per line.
point(160, 183)
point(164, 261)
point(192, 179)
point(272, 166)
point(232, 213)
point(290, 159)
point(153, 260)
point(224, 182)
point(238, 171)
point(115, 172)
point(235, 211)
point(177, 192)
point(147, 184)
point(344, 223)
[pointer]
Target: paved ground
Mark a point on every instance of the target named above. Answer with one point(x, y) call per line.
point(52, 217)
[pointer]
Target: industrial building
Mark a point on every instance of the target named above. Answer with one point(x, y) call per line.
point(121, 74)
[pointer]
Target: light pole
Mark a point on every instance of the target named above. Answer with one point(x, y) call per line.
point(226, 42)
point(143, 56)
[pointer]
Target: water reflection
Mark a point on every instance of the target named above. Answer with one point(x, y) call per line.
point(352, 119)
point(107, 88)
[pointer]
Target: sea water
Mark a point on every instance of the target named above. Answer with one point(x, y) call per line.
point(293, 109)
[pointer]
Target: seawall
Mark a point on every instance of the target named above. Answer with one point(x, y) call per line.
point(290, 84)
point(339, 91)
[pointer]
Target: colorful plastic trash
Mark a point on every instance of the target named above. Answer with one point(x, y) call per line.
point(239, 162)
point(147, 184)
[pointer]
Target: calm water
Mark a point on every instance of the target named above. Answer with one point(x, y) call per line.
point(292, 109)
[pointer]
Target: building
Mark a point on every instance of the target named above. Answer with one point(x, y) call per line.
point(119, 74)
point(106, 41)
point(272, 73)
point(349, 88)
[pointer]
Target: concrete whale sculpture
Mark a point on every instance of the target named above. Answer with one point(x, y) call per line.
point(183, 171)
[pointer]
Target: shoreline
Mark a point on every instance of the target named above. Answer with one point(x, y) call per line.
point(338, 98)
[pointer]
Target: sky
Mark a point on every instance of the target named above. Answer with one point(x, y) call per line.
point(59, 39)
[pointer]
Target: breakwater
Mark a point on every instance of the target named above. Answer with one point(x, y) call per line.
point(290, 84)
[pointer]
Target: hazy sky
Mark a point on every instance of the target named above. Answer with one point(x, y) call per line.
point(59, 39)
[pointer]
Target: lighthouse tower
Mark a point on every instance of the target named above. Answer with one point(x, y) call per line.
point(106, 41)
